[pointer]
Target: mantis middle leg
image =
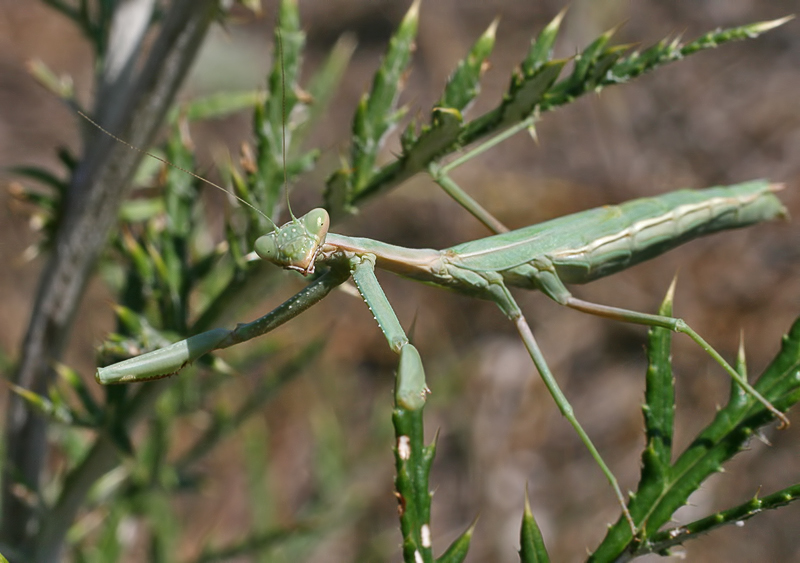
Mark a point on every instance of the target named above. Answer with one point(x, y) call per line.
point(509, 306)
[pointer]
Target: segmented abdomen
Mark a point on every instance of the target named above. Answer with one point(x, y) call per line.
point(641, 229)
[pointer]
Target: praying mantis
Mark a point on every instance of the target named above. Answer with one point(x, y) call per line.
point(574, 249)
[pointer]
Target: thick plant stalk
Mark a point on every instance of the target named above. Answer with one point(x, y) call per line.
point(90, 210)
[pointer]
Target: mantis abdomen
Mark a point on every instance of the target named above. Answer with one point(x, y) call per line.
point(644, 228)
point(591, 244)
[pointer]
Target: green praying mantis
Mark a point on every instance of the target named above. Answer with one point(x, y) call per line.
point(576, 248)
point(548, 256)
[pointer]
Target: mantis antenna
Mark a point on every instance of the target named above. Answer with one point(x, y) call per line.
point(176, 167)
point(283, 117)
point(279, 36)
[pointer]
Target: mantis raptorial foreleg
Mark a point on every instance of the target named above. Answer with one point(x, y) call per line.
point(170, 360)
point(410, 386)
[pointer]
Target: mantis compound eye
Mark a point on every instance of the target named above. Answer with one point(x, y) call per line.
point(267, 248)
point(317, 222)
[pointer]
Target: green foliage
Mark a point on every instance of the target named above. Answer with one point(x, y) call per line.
point(172, 283)
point(457, 551)
point(534, 90)
point(666, 486)
point(532, 548)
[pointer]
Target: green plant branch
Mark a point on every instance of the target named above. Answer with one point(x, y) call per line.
point(661, 492)
point(536, 89)
point(662, 541)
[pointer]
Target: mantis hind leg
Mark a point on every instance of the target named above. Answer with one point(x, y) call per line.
point(676, 325)
point(550, 284)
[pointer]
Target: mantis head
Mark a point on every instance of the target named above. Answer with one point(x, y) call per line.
point(295, 245)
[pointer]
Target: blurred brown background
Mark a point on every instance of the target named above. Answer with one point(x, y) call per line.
point(720, 117)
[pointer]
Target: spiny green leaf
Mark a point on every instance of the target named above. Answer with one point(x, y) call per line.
point(323, 86)
point(779, 379)
point(464, 84)
point(532, 548)
point(738, 393)
point(659, 406)
point(526, 93)
point(143, 209)
point(161, 274)
point(267, 177)
point(217, 105)
point(56, 411)
point(724, 437)
point(669, 51)
point(674, 536)
point(61, 86)
point(597, 67)
point(586, 61)
point(446, 117)
point(135, 323)
point(412, 465)
point(457, 551)
point(375, 117)
point(73, 379)
point(599, 72)
point(716, 38)
point(419, 149)
point(137, 255)
point(541, 49)
point(118, 346)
